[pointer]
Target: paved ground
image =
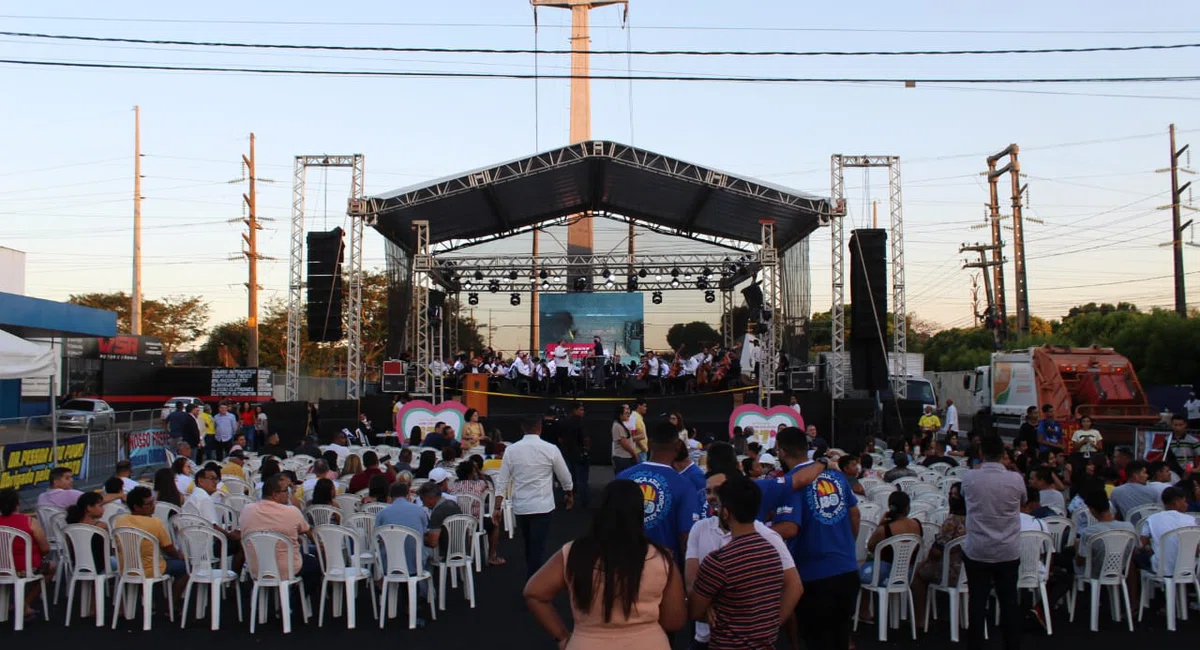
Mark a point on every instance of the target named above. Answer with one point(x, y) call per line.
point(501, 621)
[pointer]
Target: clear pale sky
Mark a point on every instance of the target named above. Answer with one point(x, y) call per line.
point(1089, 150)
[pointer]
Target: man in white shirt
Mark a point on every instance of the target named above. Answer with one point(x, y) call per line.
point(527, 478)
point(951, 425)
point(1033, 498)
point(1161, 558)
point(1043, 479)
point(709, 534)
point(200, 503)
point(338, 446)
point(125, 473)
point(562, 359)
point(794, 404)
point(1192, 408)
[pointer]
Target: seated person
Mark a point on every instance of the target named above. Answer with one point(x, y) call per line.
point(275, 514)
point(273, 448)
point(901, 469)
point(440, 508)
point(11, 517)
point(1097, 504)
point(140, 502)
point(371, 468)
point(1155, 556)
point(930, 571)
point(895, 522)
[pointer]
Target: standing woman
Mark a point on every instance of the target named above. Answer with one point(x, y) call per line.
point(472, 432)
point(260, 422)
point(624, 589)
point(677, 422)
point(246, 417)
point(624, 454)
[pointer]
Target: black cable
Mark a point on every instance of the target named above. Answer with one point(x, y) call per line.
point(482, 50)
point(496, 75)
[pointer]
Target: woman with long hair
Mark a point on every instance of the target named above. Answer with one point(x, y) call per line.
point(930, 571)
point(625, 590)
point(353, 465)
point(377, 489)
point(676, 419)
point(89, 510)
point(895, 522)
point(722, 459)
point(428, 462)
point(471, 481)
point(323, 492)
point(11, 517)
point(415, 436)
point(624, 454)
point(165, 489)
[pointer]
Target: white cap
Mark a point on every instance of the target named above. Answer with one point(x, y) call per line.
point(768, 459)
point(438, 474)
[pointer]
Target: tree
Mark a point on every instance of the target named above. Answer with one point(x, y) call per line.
point(741, 322)
point(227, 345)
point(693, 336)
point(175, 320)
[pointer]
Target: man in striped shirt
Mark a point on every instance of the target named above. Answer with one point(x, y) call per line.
point(740, 589)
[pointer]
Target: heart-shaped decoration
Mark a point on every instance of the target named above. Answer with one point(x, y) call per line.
point(765, 422)
point(419, 413)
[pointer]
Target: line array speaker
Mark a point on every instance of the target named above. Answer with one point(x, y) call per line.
point(326, 250)
point(868, 308)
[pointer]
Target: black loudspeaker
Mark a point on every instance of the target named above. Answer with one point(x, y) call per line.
point(868, 311)
point(326, 250)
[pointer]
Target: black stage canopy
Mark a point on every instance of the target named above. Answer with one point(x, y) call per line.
point(606, 178)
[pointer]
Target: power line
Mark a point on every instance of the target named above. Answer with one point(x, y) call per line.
point(526, 76)
point(751, 28)
point(508, 51)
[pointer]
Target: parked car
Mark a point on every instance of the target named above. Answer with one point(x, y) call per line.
point(86, 415)
point(170, 405)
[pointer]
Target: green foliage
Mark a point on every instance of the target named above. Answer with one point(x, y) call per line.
point(694, 336)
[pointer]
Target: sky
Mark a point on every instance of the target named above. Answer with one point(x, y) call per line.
point(1089, 151)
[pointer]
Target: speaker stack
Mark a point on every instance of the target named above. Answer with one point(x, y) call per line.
point(868, 308)
point(326, 251)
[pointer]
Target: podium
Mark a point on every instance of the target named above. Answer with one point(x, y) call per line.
point(475, 387)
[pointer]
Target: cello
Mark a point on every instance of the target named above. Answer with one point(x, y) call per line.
point(644, 370)
point(703, 371)
point(676, 364)
point(723, 367)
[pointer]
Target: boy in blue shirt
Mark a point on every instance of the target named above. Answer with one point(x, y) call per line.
point(670, 499)
point(820, 523)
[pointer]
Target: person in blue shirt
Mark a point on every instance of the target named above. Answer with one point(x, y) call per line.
point(670, 506)
point(820, 523)
point(692, 472)
point(1049, 431)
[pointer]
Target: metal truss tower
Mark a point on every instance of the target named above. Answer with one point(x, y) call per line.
point(837, 369)
point(768, 350)
point(356, 210)
point(426, 332)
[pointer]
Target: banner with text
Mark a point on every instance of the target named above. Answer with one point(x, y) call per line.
point(148, 447)
point(28, 464)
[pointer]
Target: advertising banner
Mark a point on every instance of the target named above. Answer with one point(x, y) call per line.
point(117, 348)
point(574, 318)
point(577, 351)
point(419, 413)
point(765, 422)
point(148, 447)
point(28, 464)
point(1150, 445)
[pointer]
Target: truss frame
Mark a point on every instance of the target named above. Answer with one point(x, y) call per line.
point(768, 354)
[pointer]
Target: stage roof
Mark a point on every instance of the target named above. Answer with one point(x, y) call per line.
point(604, 177)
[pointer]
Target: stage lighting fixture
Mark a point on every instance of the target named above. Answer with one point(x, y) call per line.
point(545, 285)
point(479, 275)
point(674, 282)
point(581, 283)
point(543, 275)
point(494, 286)
point(608, 282)
point(658, 278)
point(472, 299)
point(514, 299)
point(702, 283)
point(642, 273)
point(656, 297)
point(675, 272)
point(707, 271)
point(467, 284)
point(710, 296)
point(606, 274)
point(632, 285)
point(512, 275)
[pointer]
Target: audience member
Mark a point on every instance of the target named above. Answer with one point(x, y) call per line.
point(671, 506)
point(141, 516)
point(440, 508)
point(166, 489)
point(1134, 492)
point(527, 476)
point(371, 468)
point(930, 570)
point(427, 464)
point(901, 468)
point(1156, 556)
point(274, 514)
point(11, 517)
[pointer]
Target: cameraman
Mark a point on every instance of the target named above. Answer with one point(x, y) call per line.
point(577, 450)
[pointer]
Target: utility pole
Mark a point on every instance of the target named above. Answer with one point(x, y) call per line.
point(998, 306)
point(1018, 225)
point(1176, 226)
point(135, 306)
point(490, 328)
point(991, 317)
point(251, 239)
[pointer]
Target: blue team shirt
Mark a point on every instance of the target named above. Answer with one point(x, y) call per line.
point(696, 477)
point(1052, 431)
point(824, 547)
point(669, 502)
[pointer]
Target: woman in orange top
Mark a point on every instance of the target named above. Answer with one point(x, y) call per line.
point(625, 590)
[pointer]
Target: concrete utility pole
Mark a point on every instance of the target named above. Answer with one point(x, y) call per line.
point(1013, 169)
point(251, 239)
point(1176, 226)
point(983, 264)
point(135, 306)
point(999, 307)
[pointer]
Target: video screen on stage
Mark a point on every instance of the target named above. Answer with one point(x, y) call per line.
point(617, 318)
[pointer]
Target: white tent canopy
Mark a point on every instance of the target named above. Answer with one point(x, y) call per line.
point(20, 358)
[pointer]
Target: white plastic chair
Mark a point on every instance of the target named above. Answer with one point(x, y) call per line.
point(1037, 549)
point(267, 574)
point(339, 550)
point(227, 515)
point(183, 521)
point(348, 504)
point(373, 508)
point(934, 498)
point(238, 501)
point(1081, 519)
point(906, 483)
point(918, 510)
point(1062, 530)
point(865, 528)
point(869, 510)
point(469, 504)
point(937, 516)
point(916, 490)
point(868, 483)
point(929, 533)
point(1136, 515)
point(363, 525)
point(133, 578)
point(898, 582)
point(946, 482)
point(879, 495)
point(1175, 585)
point(58, 521)
point(459, 531)
point(235, 486)
point(11, 578)
point(955, 588)
point(77, 540)
point(1118, 548)
point(207, 570)
point(322, 515)
point(394, 543)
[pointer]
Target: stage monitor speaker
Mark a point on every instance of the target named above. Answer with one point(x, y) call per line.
point(868, 310)
point(326, 251)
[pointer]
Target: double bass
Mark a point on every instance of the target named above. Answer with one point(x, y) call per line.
point(723, 367)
